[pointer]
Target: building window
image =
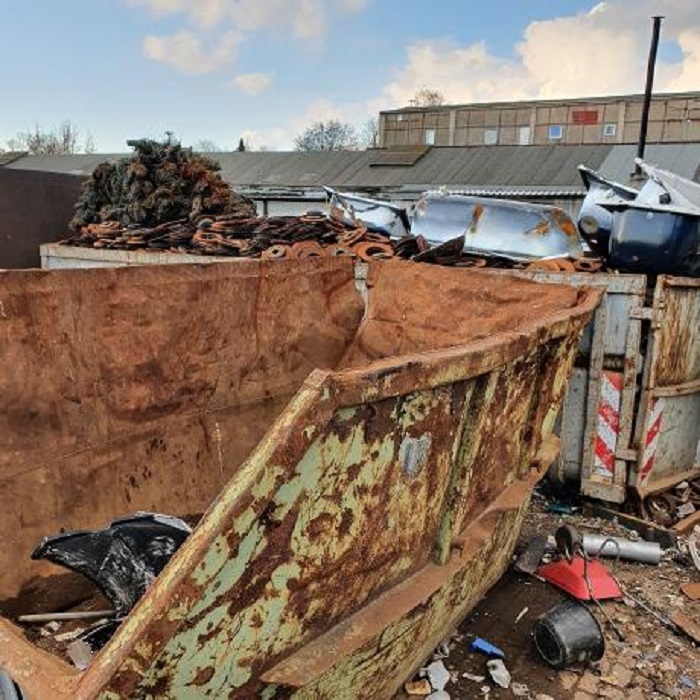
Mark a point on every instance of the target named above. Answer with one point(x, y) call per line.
point(490, 137)
point(584, 116)
point(609, 129)
point(556, 131)
point(430, 137)
point(523, 136)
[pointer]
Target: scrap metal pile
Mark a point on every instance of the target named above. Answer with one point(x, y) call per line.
point(167, 198)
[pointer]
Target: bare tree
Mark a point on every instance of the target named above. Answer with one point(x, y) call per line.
point(63, 140)
point(369, 133)
point(426, 97)
point(207, 146)
point(331, 135)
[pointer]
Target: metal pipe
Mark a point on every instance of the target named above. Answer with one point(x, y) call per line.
point(644, 552)
point(651, 65)
point(601, 545)
point(64, 616)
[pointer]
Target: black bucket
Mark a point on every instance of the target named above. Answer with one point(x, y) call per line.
point(568, 634)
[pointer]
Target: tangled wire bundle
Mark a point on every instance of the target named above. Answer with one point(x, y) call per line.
point(160, 183)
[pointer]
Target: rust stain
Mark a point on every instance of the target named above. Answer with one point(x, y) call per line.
point(476, 217)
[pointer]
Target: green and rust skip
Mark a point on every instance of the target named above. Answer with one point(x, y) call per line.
point(379, 507)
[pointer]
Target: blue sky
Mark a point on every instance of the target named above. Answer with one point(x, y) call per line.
point(219, 69)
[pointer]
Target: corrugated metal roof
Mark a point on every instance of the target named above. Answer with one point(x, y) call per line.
point(680, 158)
point(78, 164)
point(7, 157)
point(533, 169)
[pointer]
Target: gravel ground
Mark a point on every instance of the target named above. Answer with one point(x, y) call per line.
point(653, 661)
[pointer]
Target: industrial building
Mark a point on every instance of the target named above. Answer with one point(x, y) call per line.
point(673, 118)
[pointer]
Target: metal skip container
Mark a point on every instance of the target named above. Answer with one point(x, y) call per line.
point(357, 458)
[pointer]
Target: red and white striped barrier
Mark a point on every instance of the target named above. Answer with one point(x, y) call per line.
point(608, 424)
point(651, 438)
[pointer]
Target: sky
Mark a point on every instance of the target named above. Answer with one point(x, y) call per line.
point(265, 69)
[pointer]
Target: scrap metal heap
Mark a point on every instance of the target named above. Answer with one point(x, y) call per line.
point(167, 198)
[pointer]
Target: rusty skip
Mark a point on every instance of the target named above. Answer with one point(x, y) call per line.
point(339, 546)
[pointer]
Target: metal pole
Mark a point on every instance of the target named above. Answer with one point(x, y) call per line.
point(641, 146)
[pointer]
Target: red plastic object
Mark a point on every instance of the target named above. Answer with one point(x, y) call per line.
point(569, 576)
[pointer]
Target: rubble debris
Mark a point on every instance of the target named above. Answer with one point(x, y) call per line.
point(439, 695)
point(520, 690)
point(692, 590)
point(688, 625)
point(419, 687)
point(80, 653)
point(694, 553)
point(530, 558)
point(673, 506)
point(568, 634)
point(123, 559)
point(499, 673)
point(688, 682)
point(649, 531)
point(562, 508)
point(473, 677)
point(521, 615)
point(483, 647)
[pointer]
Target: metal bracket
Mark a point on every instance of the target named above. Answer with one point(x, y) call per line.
point(646, 313)
point(629, 455)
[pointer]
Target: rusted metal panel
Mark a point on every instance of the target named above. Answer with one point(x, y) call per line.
point(372, 484)
point(135, 385)
point(668, 427)
point(609, 349)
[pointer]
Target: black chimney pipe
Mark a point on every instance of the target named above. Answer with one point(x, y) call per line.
point(651, 65)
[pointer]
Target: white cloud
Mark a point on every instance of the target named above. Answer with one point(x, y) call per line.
point(253, 83)
point(306, 20)
point(267, 139)
point(602, 51)
point(185, 52)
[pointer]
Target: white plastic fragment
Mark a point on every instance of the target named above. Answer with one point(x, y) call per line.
point(520, 690)
point(499, 673)
point(439, 695)
point(522, 614)
point(80, 654)
point(472, 677)
point(438, 675)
